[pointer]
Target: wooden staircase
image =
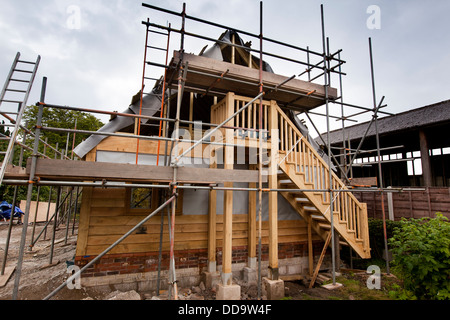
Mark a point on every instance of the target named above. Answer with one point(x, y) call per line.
point(301, 167)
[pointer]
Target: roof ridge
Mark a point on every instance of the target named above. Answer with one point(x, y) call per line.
point(392, 116)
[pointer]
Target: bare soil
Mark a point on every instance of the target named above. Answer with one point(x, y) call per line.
point(39, 277)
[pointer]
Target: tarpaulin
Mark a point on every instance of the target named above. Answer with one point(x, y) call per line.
point(5, 211)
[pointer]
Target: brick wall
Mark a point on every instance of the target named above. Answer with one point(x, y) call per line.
point(128, 263)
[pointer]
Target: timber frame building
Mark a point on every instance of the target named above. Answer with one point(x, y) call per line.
point(210, 172)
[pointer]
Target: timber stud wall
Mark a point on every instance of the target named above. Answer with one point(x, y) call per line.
point(103, 219)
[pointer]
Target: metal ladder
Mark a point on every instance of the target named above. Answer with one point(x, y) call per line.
point(161, 81)
point(20, 74)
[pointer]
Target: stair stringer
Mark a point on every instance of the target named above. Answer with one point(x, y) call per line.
point(314, 225)
point(324, 210)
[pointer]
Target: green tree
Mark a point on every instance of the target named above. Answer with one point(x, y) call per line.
point(52, 117)
point(60, 118)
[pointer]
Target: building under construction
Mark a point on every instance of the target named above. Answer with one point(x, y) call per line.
point(209, 175)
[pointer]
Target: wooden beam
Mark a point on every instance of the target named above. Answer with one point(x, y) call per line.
point(252, 218)
point(310, 248)
point(228, 198)
point(365, 227)
point(191, 113)
point(273, 196)
point(233, 50)
point(15, 172)
point(212, 224)
point(210, 68)
point(87, 170)
point(83, 227)
point(319, 263)
point(425, 158)
point(91, 156)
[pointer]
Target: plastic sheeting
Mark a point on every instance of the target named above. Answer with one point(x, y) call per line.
point(195, 201)
point(5, 211)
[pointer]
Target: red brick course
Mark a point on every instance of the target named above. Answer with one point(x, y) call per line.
point(126, 263)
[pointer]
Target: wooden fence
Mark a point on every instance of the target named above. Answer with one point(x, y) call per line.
point(408, 203)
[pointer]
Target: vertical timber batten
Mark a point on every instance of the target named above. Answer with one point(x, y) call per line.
point(228, 197)
point(212, 219)
point(273, 196)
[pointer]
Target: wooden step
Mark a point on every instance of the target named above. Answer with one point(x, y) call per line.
point(325, 226)
point(285, 181)
point(318, 217)
point(302, 200)
point(310, 209)
point(305, 202)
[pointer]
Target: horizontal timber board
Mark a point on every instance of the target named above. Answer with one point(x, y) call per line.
point(211, 68)
point(131, 220)
point(89, 170)
point(185, 245)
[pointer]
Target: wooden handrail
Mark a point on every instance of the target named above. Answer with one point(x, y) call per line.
point(299, 152)
point(307, 161)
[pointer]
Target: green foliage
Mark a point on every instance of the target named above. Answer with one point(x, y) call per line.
point(421, 252)
point(376, 235)
point(59, 118)
point(56, 118)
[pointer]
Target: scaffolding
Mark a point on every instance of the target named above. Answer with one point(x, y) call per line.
point(175, 75)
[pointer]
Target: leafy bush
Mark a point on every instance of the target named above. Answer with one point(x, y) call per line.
point(421, 257)
point(376, 235)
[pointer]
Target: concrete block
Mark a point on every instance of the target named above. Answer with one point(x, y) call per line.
point(331, 286)
point(252, 263)
point(210, 279)
point(282, 269)
point(274, 289)
point(230, 292)
point(227, 278)
point(294, 269)
point(212, 266)
point(249, 275)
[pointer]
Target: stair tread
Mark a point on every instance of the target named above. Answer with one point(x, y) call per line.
point(288, 176)
point(318, 217)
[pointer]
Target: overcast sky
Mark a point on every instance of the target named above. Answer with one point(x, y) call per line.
point(92, 51)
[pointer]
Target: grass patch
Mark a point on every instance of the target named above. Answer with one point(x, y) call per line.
point(355, 288)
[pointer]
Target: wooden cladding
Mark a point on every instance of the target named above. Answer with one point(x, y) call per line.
point(104, 220)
